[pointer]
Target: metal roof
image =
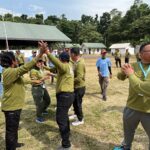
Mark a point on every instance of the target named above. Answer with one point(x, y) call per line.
point(71, 45)
point(31, 32)
point(120, 45)
point(94, 45)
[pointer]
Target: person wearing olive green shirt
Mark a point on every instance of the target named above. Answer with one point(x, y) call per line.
point(13, 96)
point(20, 58)
point(79, 84)
point(117, 56)
point(64, 93)
point(137, 109)
point(127, 56)
point(39, 91)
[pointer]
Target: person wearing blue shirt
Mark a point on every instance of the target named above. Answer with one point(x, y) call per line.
point(103, 65)
point(33, 55)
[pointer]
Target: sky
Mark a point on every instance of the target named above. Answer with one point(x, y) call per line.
point(73, 9)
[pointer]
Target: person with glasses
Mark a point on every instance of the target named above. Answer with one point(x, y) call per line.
point(137, 109)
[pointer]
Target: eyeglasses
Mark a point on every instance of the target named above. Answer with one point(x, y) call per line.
point(148, 51)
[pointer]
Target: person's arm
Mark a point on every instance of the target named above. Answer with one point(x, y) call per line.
point(80, 73)
point(12, 74)
point(140, 87)
point(58, 64)
point(109, 67)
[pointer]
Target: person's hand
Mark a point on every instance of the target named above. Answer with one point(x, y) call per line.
point(110, 76)
point(46, 78)
point(99, 74)
point(51, 74)
point(43, 46)
point(127, 69)
point(37, 81)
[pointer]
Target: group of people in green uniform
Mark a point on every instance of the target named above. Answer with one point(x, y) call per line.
point(117, 56)
point(70, 89)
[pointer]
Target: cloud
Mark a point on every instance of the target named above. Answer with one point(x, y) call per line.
point(35, 9)
point(4, 11)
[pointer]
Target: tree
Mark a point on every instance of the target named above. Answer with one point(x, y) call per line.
point(39, 19)
point(24, 18)
point(89, 34)
point(8, 17)
point(52, 20)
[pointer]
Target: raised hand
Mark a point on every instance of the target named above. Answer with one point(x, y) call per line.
point(127, 69)
point(43, 46)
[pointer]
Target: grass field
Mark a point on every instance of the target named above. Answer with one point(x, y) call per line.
point(103, 120)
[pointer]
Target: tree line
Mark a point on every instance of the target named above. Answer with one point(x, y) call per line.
point(111, 27)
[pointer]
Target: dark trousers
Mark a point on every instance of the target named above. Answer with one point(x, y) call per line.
point(118, 61)
point(41, 98)
point(131, 120)
point(12, 123)
point(77, 104)
point(127, 60)
point(64, 102)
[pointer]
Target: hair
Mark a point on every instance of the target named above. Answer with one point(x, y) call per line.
point(64, 56)
point(143, 46)
point(75, 50)
point(7, 59)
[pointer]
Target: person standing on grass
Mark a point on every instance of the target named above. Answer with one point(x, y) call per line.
point(64, 93)
point(137, 109)
point(127, 56)
point(103, 65)
point(117, 56)
point(79, 84)
point(14, 95)
point(39, 92)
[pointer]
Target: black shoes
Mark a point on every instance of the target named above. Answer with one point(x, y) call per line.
point(19, 145)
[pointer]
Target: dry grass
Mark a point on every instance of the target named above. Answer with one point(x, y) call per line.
point(103, 120)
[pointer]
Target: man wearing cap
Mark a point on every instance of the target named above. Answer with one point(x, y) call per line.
point(64, 93)
point(103, 65)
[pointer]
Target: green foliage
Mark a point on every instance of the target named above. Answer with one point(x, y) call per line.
point(109, 28)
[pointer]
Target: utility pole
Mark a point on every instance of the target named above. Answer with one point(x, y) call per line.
point(5, 32)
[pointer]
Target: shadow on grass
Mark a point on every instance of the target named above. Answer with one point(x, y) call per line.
point(48, 134)
point(113, 108)
point(94, 94)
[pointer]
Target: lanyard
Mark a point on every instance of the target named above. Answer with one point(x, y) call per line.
point(144, 72)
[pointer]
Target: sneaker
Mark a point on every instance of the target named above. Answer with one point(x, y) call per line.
point(72, 117)
point(77, 122)
point(120, 148)
point(63, 148)
point(19, 145)
point(39, 120)
point(45, 112)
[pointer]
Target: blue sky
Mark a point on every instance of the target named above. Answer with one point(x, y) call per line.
point(73, 9)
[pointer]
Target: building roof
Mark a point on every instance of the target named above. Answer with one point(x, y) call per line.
point(31, 32)
point(94, 45)
point(120, 45)
point(70, 45)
